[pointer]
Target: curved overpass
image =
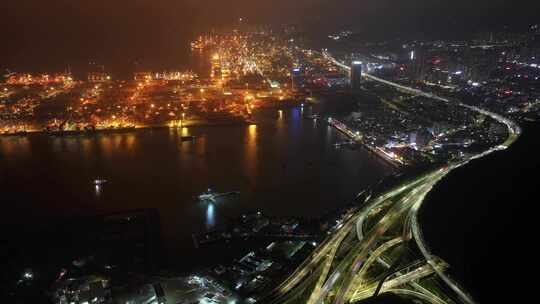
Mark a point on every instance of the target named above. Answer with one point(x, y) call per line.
point(513, 133)
point(331, 271)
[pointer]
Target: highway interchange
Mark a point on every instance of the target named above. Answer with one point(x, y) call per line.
point(379, 246)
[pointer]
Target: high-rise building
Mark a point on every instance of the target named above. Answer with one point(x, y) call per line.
point(356, 75)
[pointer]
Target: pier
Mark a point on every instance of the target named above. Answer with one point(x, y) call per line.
point(356, 137)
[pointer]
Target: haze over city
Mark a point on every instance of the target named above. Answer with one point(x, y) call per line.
point(310, 151)
point(51, 35)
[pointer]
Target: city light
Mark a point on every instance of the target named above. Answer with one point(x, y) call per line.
point(400, 111)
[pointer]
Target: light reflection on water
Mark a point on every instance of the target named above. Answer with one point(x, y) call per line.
point(86, 145)
point(16, 146)
point(106, 146)
point(185, 131)
point(117, 142)
point(98, 190)
point(268, 162)
point(130, 141)
point(251, 151)
point(210, 216)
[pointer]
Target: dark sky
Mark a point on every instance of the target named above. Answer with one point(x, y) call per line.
point(39, 34)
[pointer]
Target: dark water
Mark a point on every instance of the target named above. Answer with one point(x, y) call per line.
point(285, 165)
point(482, 219)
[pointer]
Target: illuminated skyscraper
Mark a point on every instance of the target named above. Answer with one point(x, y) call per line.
point(356, 75)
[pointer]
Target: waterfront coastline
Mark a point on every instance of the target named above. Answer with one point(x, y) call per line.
point(265, 153)
point(471, 230)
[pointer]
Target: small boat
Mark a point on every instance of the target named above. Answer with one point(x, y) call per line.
point(188, 138)
point(210, 196)
point(99, 182)
point(314, 116)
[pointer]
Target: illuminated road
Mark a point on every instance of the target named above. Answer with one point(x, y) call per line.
point(416, 294)
point(513, 133)
point(325, 253)
point(342, 271)
point(413, 275)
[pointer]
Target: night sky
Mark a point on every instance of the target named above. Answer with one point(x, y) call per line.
point(49, 35)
